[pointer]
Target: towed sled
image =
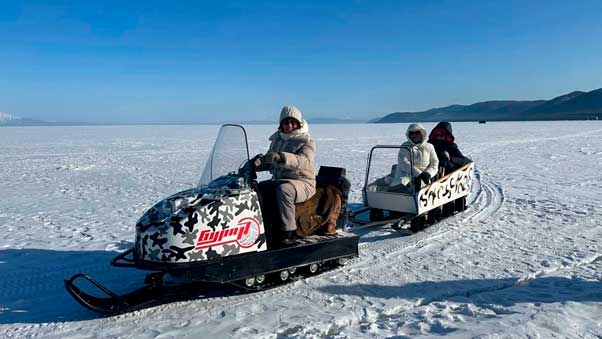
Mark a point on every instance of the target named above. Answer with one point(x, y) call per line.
point(401, 204)
point(200, 239)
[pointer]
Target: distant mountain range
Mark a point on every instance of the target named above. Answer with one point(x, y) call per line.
point(576, 105)
point(318, 121)
point(11, 120)
point(572, 106)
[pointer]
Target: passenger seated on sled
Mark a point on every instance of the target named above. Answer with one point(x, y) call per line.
point(290, 160)
point(450, 157)
point(426, 163)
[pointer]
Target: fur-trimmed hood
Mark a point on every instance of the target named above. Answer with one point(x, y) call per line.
point(414, 128)
point(445, 127)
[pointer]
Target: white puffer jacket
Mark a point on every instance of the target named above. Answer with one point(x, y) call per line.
point(425, 158)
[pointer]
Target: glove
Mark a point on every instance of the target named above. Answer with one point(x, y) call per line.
point(425, 177)
point(257, 161)
point(273, 158)
point(445, 156)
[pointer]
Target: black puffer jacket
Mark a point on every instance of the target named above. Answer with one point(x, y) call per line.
point(456, 158)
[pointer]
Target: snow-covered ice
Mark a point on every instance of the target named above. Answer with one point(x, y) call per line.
point(525, 260)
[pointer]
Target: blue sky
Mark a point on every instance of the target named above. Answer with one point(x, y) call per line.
point(197, 61)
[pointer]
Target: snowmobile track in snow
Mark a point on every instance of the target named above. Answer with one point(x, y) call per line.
point(488, 200)
point(513, 283)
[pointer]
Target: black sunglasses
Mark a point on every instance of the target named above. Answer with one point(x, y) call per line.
point(289, 121)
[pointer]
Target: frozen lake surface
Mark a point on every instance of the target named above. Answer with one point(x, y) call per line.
point(525, 259)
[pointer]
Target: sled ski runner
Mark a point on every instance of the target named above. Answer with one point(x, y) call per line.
point(356, 223)
point(214, 235)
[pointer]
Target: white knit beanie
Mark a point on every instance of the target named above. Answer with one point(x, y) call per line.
point(290, 111)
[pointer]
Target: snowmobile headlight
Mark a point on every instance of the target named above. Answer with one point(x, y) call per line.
point(166, 207)
point(178, 204)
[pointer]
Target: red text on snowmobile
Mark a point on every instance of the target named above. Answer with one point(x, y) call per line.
point(245, 234)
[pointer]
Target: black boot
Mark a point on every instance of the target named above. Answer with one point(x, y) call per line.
point(289, 238)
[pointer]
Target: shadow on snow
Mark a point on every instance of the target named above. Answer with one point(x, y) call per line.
point(32, 288)
point(32, 284)
point(481, 292)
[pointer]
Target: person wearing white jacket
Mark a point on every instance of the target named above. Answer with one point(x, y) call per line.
point(426, 163)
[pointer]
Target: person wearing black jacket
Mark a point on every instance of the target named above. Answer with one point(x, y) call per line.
point(447, 151)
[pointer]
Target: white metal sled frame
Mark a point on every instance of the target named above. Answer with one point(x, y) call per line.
point(392, 201)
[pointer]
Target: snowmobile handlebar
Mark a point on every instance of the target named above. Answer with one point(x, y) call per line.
point(248, 171)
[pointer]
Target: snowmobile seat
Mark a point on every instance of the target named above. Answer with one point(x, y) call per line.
point(318, 214)
point(334, 176)
point(329, 175)
point(322, 210)
point(393, 169)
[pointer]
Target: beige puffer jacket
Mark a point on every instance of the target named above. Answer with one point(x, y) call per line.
point(298, 150)
point(425, 158)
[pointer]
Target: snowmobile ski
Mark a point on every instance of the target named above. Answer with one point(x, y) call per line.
point(154, 293)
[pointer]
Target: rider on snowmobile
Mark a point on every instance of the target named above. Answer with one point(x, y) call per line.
point(290, 160)
point(426, 163)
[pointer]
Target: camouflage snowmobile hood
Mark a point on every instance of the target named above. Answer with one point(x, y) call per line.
point(200, 224)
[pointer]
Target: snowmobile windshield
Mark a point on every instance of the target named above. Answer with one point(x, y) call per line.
point(390, 170)
point(229, 153)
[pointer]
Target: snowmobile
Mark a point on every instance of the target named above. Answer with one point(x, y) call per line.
point(212, 235)
point(401, 204)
